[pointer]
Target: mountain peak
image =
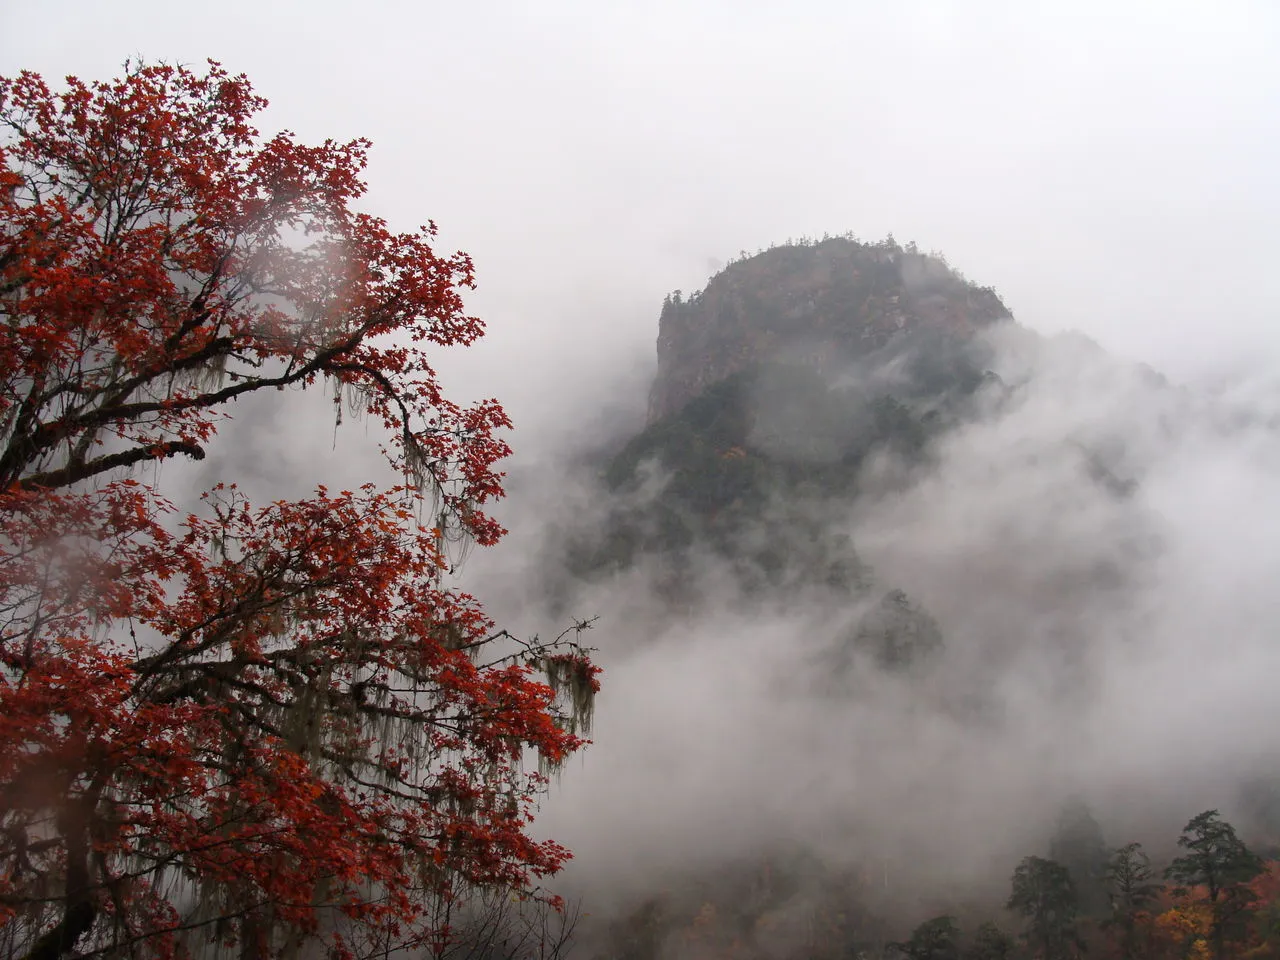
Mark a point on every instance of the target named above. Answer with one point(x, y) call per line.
point(822, 304)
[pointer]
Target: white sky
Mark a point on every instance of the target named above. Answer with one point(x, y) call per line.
point(1107, 166)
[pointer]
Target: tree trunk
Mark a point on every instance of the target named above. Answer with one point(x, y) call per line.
point(79, 912)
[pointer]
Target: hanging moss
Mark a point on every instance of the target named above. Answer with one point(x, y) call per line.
point(572, 678)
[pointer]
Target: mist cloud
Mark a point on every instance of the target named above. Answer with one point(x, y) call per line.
point(1097, 545)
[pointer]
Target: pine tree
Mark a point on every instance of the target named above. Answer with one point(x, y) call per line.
point(1219, 861)
point(1131, 890)
point(1044, 894)
point(935, 939)
point(990, 943)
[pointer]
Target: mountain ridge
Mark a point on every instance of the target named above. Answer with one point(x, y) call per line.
point(822, 304)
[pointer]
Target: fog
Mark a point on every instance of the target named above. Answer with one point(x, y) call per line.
point(1109, 168)
point(1118, 640)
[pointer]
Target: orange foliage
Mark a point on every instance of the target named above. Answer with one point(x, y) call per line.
point(1265, 944)
point(1183, 927)
point(1182, 931)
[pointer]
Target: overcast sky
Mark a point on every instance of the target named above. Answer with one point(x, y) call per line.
point(1107, 166)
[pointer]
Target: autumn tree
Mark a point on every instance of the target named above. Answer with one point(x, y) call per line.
point(1266, 910)
point(1219, 862)
point(1133, 891)
point(1182, 931)
point(1043, 893)
point(241, 727)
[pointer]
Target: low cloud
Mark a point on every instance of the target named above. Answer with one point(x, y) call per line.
point(1099, 549)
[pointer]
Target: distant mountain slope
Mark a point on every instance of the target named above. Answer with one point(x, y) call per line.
point(777, 387)
point(751, 467)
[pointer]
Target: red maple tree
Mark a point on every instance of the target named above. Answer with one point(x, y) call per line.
point(240, 727)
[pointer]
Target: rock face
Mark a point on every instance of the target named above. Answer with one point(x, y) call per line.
point(774, 385)
point(822, 304)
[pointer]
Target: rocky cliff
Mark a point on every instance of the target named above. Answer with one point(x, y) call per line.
point(822, 304)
